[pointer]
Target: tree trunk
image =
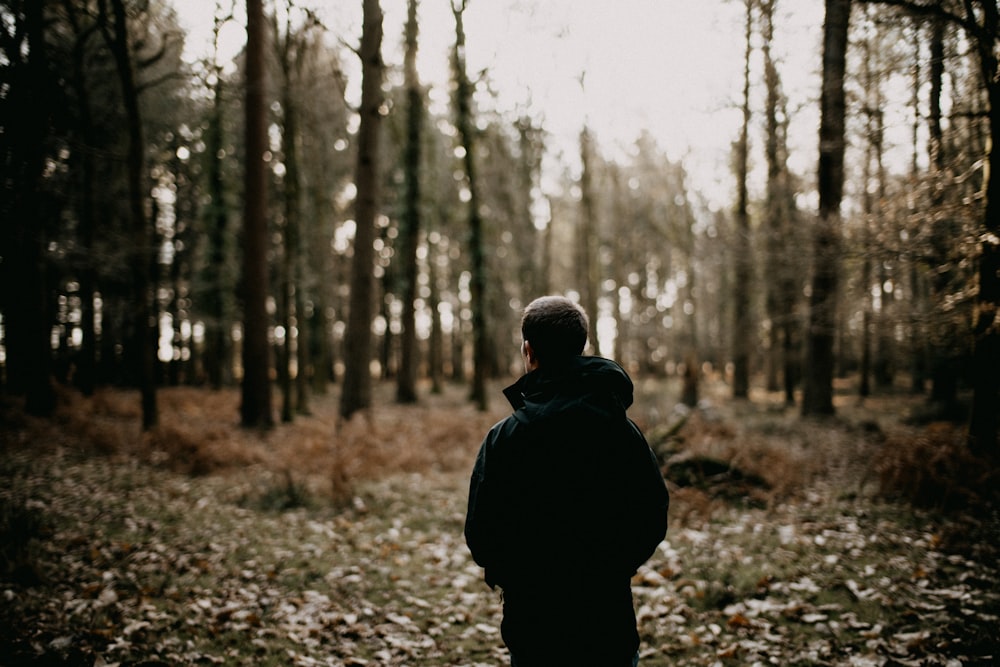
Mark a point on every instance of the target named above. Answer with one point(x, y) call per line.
point(145, 317)
point(477, 286)
point(218, 364)
point(742, 332)
point(86, 373)
point(357, 388)
point(985, 415)
point(818, 389)
point(25, 310)
point(255, 409)
point(409, 229)
point(588, 241)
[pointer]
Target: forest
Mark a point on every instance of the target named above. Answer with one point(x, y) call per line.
point(257, 305)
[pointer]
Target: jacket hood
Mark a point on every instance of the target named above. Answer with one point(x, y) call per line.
point(584, 383)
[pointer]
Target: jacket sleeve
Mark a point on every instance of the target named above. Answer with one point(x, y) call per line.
point(652, 502)
point(481, 517)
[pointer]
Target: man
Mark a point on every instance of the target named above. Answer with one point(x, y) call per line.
point(566, 501)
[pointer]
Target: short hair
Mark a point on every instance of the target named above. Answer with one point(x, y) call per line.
point(556, 328)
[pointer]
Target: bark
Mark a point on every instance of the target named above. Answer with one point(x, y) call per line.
point(742, 331)
point(357, 385)
point(477, 255)
point(985, 415)
point(255, 408)
point(25, 310)
point(588, 238)
point(782, 287)
point(818, 388)
point(146, 320)
point(217, 346)
point(86, 373)
point(409, 230)
point(295, 390)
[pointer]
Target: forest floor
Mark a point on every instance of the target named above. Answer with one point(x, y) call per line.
point(323, 542)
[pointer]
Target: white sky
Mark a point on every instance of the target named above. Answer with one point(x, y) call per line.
point(673, 67)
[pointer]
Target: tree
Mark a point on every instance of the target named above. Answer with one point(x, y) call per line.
point(291, 43)
point(588, 239)
point(783, 287)
point(409, 229)
point(817, 396)
point(742, 331)
point(145, 334)
point(357, 386)
point(464, 123)
point(255, 408)
point(980, 22)
point(29, 100)
point(216, 295)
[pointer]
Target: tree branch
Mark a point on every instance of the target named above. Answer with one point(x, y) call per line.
point(921, 9)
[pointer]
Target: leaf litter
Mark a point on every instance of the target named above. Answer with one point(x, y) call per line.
point(124, 561)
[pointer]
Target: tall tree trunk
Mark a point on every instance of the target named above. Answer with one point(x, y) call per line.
point(818, 390)
point(985, 415)
point(782, 286)
point(146, 320)
point(406, 385)
point(255, 409)
point(871, 109)
point(218, 363)
point(477, 285)
point(292, 387)
point(86, 373)
point(742, 331)
point(25, 310)
point(588, 237)
point(357, 388)
point(917, 333)
point(435, 345)
point(527, 238)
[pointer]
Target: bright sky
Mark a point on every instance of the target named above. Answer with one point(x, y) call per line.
point(673, 67)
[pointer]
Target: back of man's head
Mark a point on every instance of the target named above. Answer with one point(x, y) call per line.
point(555, 327)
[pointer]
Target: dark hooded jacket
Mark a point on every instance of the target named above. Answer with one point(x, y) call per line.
point(566, 501)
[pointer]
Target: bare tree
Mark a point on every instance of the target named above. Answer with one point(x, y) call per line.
point(409, 229)
point(742, 332)
point(357, 387)
point(980, 22)
point(115, 30)
point(477, 286)
point(29, 102)
point(818, 388)
point(255, 409)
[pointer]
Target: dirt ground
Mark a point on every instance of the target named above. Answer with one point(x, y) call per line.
point(324, 542)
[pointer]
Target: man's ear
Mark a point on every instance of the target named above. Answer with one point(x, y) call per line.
point(528, 352)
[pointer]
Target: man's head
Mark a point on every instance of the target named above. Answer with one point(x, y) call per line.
point(554, 329)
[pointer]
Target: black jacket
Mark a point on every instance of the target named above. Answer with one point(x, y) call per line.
point(566, 501)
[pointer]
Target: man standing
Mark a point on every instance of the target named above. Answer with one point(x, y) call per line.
point(566, 501)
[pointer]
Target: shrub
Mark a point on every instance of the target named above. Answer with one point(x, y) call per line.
point(934, 468)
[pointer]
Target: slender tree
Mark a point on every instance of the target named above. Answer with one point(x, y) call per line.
point(357, 386)
point(115, 30)
point(742, 331)
point(409, 228)
point(477, 286)
point(255, 409)
point(29, 102)
point(980, 22)
point(217, 300)
point(783, 286)
point(818, 389)
point(588, 238)
point(291, 41)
